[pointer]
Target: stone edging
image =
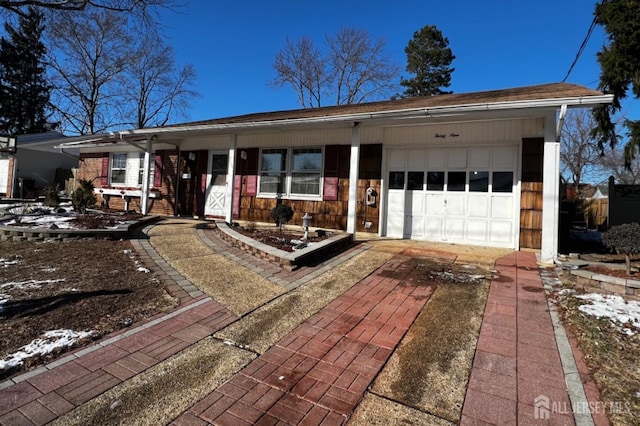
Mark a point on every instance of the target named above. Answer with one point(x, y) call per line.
point(18, 233)
point(284, 259)
point(614, 285)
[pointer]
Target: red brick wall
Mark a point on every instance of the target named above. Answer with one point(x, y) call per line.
point(90, 168)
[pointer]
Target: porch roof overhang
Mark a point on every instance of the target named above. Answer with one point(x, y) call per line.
point(509, 103)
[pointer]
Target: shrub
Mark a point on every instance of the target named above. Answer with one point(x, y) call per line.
point(51, 197)
point(623, 239)
point(282, 214)
point(83, 197)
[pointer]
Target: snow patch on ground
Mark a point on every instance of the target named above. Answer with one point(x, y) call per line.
point(5, 263)
point(49, 342)
point(620, 312)
point(29, 284)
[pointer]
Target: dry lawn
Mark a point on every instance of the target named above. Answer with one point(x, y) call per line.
point(238, 289)
point(165, 391)
point(430, 369)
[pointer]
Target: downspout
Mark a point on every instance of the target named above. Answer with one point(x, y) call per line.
point(560, 124)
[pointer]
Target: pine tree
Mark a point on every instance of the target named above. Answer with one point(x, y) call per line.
point(620, 64)
point(429, 59)
point(24, 89)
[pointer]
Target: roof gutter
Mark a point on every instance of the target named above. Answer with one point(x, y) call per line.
point(139, 134)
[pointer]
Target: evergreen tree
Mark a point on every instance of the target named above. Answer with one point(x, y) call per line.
point(24, 89)
point(620, 67)
point(429, 59)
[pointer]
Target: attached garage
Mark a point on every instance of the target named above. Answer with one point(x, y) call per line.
point(462, 194)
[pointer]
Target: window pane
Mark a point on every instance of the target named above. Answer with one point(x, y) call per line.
point(502, 182)
point(415, 181)
point(119, 161)
point(435, 181)
point(396, 180)
point(305, 183)
point(219, 163)
point(457, 181)
point(272, 183)
point(274, 160)
point(117, 176)
point(479, 181)
point(307, 159)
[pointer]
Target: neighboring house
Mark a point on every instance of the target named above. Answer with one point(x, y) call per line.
point(35, 164)
point(474, 168)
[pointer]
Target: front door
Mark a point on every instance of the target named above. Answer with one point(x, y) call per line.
point(187, 184)
point(217, 188)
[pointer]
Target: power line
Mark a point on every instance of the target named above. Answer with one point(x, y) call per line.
point(582, 47)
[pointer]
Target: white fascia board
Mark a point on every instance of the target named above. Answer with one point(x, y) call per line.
point(422, 112)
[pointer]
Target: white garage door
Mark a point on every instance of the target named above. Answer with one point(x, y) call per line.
point(463, 195)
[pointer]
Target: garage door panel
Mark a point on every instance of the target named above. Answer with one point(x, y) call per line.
point(502, 207)
point(435, 204)
point(4, 175)
point(479, 158)
point(395, 215)
point(457, 159)
point(455, 229)
point(415, 203)
point(477, 230)
point(503, 157)
point(414, 226)
point(501, 232)
point(478, 206)
point(455, 204)
point(436, 159)
point(434, 227)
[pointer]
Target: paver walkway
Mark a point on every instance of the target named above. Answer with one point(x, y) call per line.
point(319, 372)
point(517, 365)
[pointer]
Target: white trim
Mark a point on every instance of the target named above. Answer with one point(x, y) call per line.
point(352, 204)
point(550, 192)
point(228, 197)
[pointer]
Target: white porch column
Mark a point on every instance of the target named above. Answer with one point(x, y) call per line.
point(352, 206)
point(146, 172)
point(550, 191)
point(228, 196)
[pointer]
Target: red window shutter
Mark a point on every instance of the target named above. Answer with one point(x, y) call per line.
point(331, 169)
point(104, 177)
point(157, 173)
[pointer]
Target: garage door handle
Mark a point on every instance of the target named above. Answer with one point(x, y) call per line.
point(445, 202)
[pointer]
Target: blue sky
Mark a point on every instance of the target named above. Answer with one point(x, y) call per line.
point(497, 43)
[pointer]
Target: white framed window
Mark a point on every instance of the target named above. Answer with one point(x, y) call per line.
point(118, 168)
point(291, 172)
point(127, 169)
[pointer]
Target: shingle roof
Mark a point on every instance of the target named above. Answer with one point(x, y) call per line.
point(528, 93)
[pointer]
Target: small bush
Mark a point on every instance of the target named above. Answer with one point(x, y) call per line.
point(83, 197)
point(623, 239)
point(282, 214)
point(51, 197)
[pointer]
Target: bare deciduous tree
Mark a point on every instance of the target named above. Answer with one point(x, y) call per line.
point(359, 68)
point(353, 70)
point(302, 66)
point(90, 52)
point(155, 86)
point(612, 163)
point(579, 154)
point(140, 8)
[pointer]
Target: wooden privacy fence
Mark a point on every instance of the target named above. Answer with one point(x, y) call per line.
point(596, 212)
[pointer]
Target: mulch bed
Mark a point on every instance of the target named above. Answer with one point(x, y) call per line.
point(280, 239)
